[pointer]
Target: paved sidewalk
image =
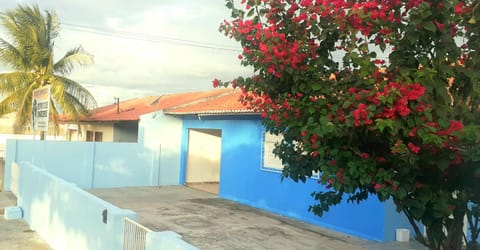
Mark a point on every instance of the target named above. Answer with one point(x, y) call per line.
point(205, 221)
point(7, 199)
point(208, 222)
point(16, 234)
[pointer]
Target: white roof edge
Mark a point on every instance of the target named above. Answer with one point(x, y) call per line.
point(213, 112)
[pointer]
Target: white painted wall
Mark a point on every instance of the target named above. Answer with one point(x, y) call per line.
point(159, 131)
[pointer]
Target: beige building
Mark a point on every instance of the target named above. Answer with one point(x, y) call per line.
point(116, 122)
point(8, 131)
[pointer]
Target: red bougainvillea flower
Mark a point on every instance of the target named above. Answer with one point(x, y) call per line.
point(364, 155)
point(413, 148)
point(215, 82)
point(458, 9)
point(378, 186)
point(454, 126)
point(438, 24)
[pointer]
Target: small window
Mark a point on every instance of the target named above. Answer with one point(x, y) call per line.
point(98, 136)
point(90, 135)
point(94, 136)
point(270, 160)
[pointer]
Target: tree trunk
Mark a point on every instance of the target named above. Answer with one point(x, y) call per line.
point(454, 240)
point(42, 135)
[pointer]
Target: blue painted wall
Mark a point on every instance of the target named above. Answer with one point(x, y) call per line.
point(153, 161)
point(87, 164)
point(243, 180)
point(65, 216)
point(73, 162)
point(394, 220)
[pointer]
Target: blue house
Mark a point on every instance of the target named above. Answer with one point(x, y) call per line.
point(208, 141)
point(224, 146)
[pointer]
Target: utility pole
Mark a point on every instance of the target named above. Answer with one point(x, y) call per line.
point(117, 101)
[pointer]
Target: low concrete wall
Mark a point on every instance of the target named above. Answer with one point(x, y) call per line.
point(90, 164)
point(153, 161)
point(167, 240)
point(5, 137)
point(65, 216)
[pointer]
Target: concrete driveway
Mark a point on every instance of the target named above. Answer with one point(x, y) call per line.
point(208, 222)
point(16, 234)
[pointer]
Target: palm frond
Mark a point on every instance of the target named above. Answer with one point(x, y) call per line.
point(10, 55)
point(52, 27)
point(74, 57)
point(78, 92)
point(71, 98)
point(32, 35)
point(17, 26)
point(9, 104)
point(21, 38)
point(15, 82)
point(72, 108)
point(24, 108)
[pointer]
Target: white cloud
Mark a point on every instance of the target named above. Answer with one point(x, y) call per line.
point(128, 68)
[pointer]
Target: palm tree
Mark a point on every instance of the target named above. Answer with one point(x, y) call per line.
point(29, 53)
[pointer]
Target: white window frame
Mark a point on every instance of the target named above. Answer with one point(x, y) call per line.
point(269, 161)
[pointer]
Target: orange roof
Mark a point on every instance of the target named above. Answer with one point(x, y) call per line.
point(131, 110)
point(222, 104)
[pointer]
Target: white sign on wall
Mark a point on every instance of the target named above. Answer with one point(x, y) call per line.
point(40, 108)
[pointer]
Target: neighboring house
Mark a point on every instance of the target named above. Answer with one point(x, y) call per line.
point(8, 131)
point(6, 123)
point(224, 143)
point(7, 126)
point(118, 122)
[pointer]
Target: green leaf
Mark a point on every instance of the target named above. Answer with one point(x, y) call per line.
point(430, 26)
point(429, 116)
point(229, 4)
point(380, 124)
point(311, 110)
point(413, 37)
point(383, 46)
point(316, 86)
point(250, 12)
point(442, 165)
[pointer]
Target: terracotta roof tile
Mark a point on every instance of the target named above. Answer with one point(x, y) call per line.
point(131, 110)
point(223, 104)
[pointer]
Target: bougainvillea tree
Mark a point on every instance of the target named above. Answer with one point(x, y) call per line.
point(380, 96)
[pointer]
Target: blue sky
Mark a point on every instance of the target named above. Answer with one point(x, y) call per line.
point(146, 47)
